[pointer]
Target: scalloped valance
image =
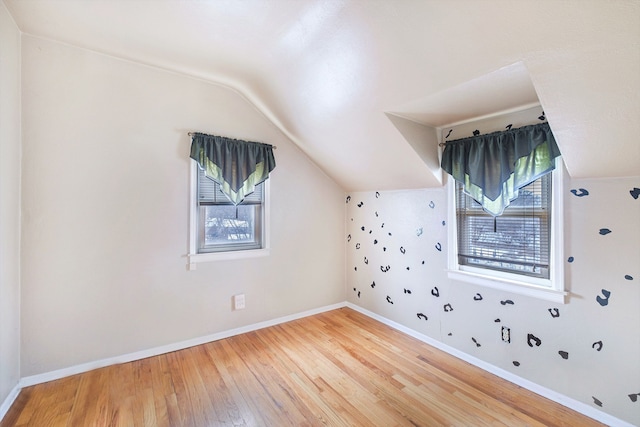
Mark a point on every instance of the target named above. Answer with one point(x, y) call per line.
point(236, 165)
point(494, 166)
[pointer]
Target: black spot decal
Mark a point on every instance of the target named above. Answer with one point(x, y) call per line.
point(438, 247)
point(476, 132)
point(635, 193)
point(581, 192)
point(435, 292)
point(358, 294)
point(389, 299)
point(362, 228)
point(497, 321)
point(604, 301)
point(450, 130)
point(375, 241)
point(403, 250)
point(447, 308)
point(508, 127)
point(373, 285)
point(348, 199)
point(634, 397)
point(360, 204)
point(570, 259)
point(349, 238)
point(377, 194)
point(357, 245)
point(516, 363)
point(432, 205)
point(475, 342)
point(554, 312)
point(355, 268)
point(604, 231)
point(542, 117)
point(507, 301)
point(532, 339)
point(407, 291)
point(422, 316)
point(563, 354)
point(596, 401)
point(366, 261)
point(626, 276)
point(597, 345)
point(477, 297)
point(385, 269)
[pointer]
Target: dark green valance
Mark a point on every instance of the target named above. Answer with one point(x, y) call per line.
point(237, 166)
point(493, 167)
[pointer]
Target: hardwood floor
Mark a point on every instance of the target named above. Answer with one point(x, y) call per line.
point(338, 368)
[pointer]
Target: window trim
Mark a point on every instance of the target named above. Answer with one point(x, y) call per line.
point(552, 289)
point(193, 256)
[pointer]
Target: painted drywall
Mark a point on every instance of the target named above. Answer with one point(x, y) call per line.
point(587, 349)
point(327, 70)
point(105, 213)
point(9, 204)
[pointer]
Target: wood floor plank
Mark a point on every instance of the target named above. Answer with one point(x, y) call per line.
point(160, 386)
point(338, 368)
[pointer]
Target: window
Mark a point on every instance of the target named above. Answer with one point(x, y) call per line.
point(519, 251)
point(223, 226)
point(220, 230)
point(517, 241)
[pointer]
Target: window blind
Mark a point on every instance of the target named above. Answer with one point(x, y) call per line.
point(209, 192)
point(518, 241)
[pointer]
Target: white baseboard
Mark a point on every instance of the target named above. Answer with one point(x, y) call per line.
point(522, 382)
point(143, 354)
point(515, 379)
point(6, 405)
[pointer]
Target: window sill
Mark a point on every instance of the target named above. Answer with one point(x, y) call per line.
point(520, 288)
point(195, 259)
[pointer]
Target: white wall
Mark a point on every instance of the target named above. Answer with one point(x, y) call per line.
point(105, 213)
point(9, 204)
point(602, 377)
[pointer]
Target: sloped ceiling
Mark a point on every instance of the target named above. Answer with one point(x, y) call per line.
point(362, 85)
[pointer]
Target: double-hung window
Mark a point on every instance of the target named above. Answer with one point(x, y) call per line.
point(519, 251)
point(229, 214)
point(223, 226)
point(518, 241)
point(218, 229)
point(505, 204)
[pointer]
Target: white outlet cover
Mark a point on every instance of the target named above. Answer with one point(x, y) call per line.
point(238, 302)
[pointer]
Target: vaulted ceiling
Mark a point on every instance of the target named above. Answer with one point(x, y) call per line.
point(363, 85)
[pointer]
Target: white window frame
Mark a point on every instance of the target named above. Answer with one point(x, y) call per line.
point(194, 257)
point(552, 289)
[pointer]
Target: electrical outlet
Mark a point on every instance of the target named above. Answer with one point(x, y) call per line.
point(506, 334)
point(238, 302)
